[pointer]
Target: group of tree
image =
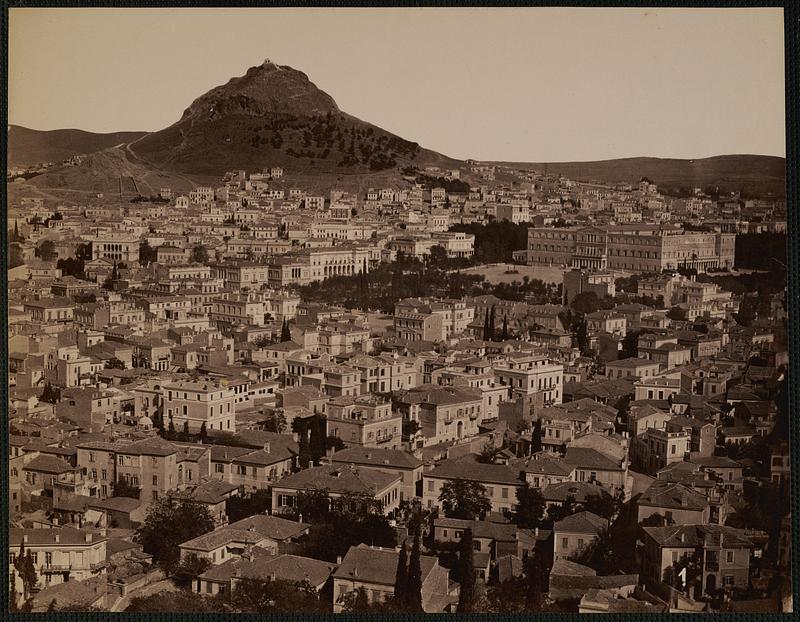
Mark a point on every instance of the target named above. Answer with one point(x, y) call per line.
point(167, 525)
point(123, 488)
point(465, 499)
point(244, 505)
point(311, 435)
point(523, 594)
point(50, 394)
point(147, 254)
point(338, 523)
point(26, 571)
point(496, 241)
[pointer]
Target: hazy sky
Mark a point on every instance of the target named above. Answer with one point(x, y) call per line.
point(507, 84)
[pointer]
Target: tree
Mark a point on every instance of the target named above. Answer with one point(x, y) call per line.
point(401, 576)
point(654, 520)
point(597, 554)
point(465, 499)
point(15, 256)
point(180, 601)
point(582, 337)
point(504, 332)
point(585, 303)
point(414, 593)
point(242, 506)
point(438, 255)
point(630, 345)
point(203, 433)
point(530, 508)
point(47, 251)
point(189, 569)
point(114, 363)
point(253, 595)
point(50, 394)
point(466, 566)
point(123, 488)
point(486, 332)
point(167, 525)
point(186, 430)
point(316, 445)
point(602, 504)
point(747, 310)
point(491, 323)
point(147, 254)
point(200, 254)
point(692, 564)
point(534, 568)
point(23, 564)
point(286, 334)
point(171, 429)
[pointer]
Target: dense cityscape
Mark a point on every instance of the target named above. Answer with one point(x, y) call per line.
point(518, 393)
point(507, 333)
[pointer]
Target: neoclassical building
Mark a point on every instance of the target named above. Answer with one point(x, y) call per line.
point(636, 247)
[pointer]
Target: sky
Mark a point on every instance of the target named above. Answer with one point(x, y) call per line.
point(513, 84)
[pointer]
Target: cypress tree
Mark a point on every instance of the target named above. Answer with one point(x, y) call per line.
point(171, 432)
point(504, 333)
point(491, 324)
point(466, 565)
point(286, 334)
point(414, 594)
point(486, 326)
point(186, 430)
point(401, 578)
point(317, 441)
point(203, 433)
point(533, 597)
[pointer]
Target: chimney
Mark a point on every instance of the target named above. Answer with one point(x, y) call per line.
point(338, 558)
point(57, 538)
point(25, 537)
point(266, 446)
point(88, 537)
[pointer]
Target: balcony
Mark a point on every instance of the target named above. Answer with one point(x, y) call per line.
point(49, 568)
point(384, 439)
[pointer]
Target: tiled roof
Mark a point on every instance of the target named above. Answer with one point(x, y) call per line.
point(673, 495)
point(582, 522)
point(468, 468)
point(395, 458)
point(272, 527)
point(376, 565)
point(339, 479)
point(48, 464)
point(588, 458)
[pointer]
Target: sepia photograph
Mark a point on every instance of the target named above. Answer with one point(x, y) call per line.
point(399, 310)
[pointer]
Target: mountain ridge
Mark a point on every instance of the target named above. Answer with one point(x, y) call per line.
point(273, 115)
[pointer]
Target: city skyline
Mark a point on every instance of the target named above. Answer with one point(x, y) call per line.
point(657, 99)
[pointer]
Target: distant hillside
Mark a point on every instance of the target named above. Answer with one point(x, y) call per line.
point(26, 146)
point(750, 174)
point(274, 115)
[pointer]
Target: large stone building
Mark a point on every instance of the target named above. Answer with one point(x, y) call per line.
point(636, 247)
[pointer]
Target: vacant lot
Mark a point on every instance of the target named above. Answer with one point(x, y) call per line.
point(496, 273)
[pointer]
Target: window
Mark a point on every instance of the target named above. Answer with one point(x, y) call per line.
point(727, 580)
point(504, 493)
point(48, 559)
point(219, 468)
point(155, 480)
point(155, 495)
point(729, 557)
point(430, 485)
point(564, 543)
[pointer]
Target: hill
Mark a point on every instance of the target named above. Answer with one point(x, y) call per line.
point(754, 175)
point(275, 116)
point(27, 146)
